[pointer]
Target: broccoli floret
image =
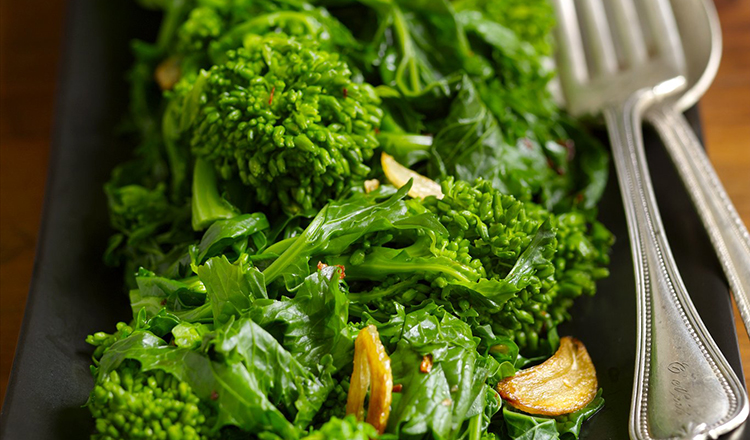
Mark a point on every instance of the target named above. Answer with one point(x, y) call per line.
point(335, 404)
point(485, 224)
point(347, 428)
point(496, 228)
point(211, 19)
point(287, 118)
point(102, 341)
point(132, 404)
point(203, 25)
point(524, 265)
point(214, 27)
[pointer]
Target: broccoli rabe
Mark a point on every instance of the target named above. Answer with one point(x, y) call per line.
point(286, 118)
point(151, 230)
point(257, 242)
point(503, 263)
point(347, 428)
point(473, 213)
point(131, 404)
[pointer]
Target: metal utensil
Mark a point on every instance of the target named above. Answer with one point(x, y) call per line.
point(700, 25)
point(683, 386)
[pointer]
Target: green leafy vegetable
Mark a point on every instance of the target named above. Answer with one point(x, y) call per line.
point(313, 323)
point(522, 426)
point(231, 287)
point(348, 428)
point(439, 399)
point(259, 236)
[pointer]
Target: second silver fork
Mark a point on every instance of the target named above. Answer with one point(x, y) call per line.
point(683, 386)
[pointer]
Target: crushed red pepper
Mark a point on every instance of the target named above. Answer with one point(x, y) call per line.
point(322, 265)
point(557, 169)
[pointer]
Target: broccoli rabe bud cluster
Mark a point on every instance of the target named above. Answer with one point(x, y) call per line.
point(102, 341)
point(496, 228)
point(345, 428)
point(287, 118)
point(202, 25)
point(130, 404)
point(484, 224)
point(335, 404)
point(494, 244)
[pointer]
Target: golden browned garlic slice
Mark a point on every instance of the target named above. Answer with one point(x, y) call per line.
point(167, 73)
point(372, 369)
point(564, 383)
point(371, 185)
point(399, 175)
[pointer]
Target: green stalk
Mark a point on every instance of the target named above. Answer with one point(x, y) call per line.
point(207, 204)
point(475, 427)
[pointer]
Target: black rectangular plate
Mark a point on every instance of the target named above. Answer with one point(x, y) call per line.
point(72, 294)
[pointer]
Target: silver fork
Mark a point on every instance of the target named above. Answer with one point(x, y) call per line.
point(619, 57)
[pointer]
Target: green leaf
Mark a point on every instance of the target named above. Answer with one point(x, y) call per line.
point(161, 303)
point(438, 401)
point(279, 375)
point(224, 233)
point(525, 427)
point(336, 227)
point(471, 145)
point(231, 287)
point(189, 335)
point(569, 425)
point(521, 426)
point(311, 324)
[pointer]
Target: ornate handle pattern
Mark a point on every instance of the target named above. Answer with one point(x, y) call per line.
point(728, 234)
point(683, 387)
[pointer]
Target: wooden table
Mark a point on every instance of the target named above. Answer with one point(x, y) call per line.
point(29, 54)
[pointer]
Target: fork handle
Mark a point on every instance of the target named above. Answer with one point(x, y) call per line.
point(728, 234)
point(683, 385)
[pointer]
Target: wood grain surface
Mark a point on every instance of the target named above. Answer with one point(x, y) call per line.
point(30, 39)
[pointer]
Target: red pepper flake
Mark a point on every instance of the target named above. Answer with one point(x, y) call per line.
point(397, 388)
point(426, 365)
point(557, 169)
point(346, 92)
point(527, 143)
point(214, 395)
point(273, 90)
point(579, 198)
point(377, 130)
point(164, 302)
point(571, 147)
point(322, 265)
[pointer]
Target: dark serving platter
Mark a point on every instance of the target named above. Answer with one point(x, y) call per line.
point(73, 294)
